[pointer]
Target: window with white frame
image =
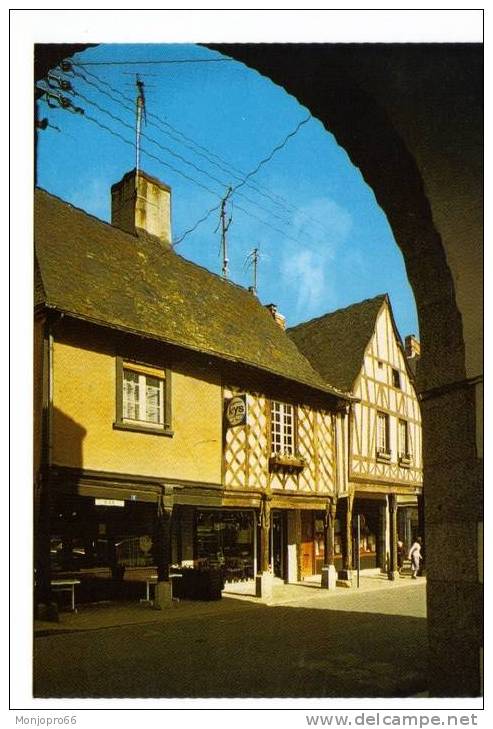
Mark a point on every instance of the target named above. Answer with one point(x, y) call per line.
point(403, 439)
point(143, 397)
point(383, 433)
point(282, 428)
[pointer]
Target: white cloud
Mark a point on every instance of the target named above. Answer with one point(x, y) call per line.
point(303, 272)
point(321, 227)
point(324, 222)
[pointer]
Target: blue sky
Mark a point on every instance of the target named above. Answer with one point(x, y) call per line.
point(324, 242)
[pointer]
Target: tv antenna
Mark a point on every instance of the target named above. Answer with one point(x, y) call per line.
point(252, 260)
point(224, 229)
point(140, 109)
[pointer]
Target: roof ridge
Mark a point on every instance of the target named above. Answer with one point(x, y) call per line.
point(145, 237)
point(180, 301)
point(328, 314)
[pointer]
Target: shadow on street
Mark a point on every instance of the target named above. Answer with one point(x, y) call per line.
point(250, 651)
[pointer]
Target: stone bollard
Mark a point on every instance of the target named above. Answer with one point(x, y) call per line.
point(163, 597)
point(263, 585)
point(329, 577)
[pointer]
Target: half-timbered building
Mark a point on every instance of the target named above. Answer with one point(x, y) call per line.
point(359, 350)
point(175, 420)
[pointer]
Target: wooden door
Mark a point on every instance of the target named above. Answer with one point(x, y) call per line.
point(307, 552)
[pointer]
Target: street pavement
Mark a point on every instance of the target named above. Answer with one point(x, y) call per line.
point(306, 642)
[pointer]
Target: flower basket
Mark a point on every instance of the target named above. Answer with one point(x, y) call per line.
point(287, 461)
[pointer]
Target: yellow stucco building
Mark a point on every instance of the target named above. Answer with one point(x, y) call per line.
point(175, 420)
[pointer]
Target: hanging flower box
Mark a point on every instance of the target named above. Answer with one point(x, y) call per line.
point(383, 456)
point(287, 461)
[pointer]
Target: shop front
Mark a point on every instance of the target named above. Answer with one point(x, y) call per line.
point(371, 514)
point(227, 539)
point(97, 533)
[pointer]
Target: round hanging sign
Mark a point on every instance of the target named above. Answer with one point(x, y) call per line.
point(236, 411)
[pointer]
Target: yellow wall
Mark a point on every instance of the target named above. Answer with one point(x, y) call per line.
point(37, 391)
point(85, 410)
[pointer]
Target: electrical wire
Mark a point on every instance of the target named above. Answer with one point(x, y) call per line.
point(220, 182)
point(188, 162)
point(155, 62)
point(209, 212)
point(206, 153)
point(161, 161)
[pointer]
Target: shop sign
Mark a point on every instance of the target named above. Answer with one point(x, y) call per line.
point(236, 411)
point(108, 502)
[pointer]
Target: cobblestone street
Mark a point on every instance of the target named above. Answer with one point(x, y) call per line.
point(367, 643)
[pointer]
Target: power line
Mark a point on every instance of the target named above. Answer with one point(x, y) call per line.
point(220, 182)
point(183, 159)
point(206, 154)
point(155, 62)
point(273, 152)
point(161, 161)
point(216, 207)
point(128, 126)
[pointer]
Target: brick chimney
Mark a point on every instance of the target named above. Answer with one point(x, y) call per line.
point(142, 204)
point(412, 346)
point(278, 318)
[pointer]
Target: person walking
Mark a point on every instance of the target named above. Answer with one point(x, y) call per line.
point(415, 557)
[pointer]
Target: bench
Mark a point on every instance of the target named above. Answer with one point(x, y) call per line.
point(66, 585)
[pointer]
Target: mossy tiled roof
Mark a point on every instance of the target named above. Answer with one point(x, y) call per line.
point(335, 343)
point(94, 271)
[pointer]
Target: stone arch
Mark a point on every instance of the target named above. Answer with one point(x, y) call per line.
point(410, 118)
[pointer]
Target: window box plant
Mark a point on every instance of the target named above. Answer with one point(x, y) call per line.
point(292, 461)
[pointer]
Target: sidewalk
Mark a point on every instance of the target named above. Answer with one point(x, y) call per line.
point(236, 597)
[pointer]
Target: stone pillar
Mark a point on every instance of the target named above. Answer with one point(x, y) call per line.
point(329, 574)
point(163, 591)
point(421, 530)
point(393, 571)
point(382, 542)
point(263, 580)
point(345, 574)
point(453, 541)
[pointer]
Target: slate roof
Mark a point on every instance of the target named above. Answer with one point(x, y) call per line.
point(94, 271)
point(335, 343)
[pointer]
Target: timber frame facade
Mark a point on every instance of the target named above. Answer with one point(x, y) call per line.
point(385, 471)
point(178, 425)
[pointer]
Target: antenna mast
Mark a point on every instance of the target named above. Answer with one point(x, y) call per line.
point(252, 260)
point(140, 112)
point(224, 229)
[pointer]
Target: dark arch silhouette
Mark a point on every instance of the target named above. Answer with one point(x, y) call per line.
point(410, 118)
